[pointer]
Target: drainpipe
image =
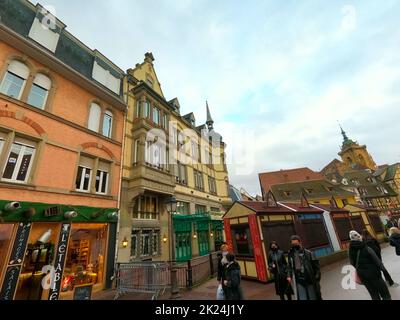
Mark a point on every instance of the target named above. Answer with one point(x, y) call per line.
point(120, 178)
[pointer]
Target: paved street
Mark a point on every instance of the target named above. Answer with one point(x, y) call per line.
point(331, 285)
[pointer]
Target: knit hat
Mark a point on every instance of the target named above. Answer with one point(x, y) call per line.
point(355, 236)
point(394, 230)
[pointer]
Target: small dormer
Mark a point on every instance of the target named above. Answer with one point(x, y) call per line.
point(46, 29)
point(104, 73)
point(190, 118)
point(174, 103)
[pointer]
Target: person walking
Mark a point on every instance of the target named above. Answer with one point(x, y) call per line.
point(222, 262)
point(304, 271)
point(232, 279)
point(277, 265)
point(368, 267)
point(394, 239)
point(371, 242)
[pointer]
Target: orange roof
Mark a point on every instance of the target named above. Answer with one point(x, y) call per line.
point(269, 179)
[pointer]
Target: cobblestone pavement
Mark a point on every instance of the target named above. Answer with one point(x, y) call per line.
point(331, 285)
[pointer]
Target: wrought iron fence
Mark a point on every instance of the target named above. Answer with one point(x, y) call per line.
point(155, 277)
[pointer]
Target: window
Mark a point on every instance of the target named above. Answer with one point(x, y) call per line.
point(155, 242)
point(40, 91)
point(1, 144)
point(212, 185)
point(145, 243)
point(215, 209)
point(156, 116)
point(198, 180)
point(287, 193)
point(101, 182)
point(94, 117)
point(83, 179)
point(106, 78)
point(242, 241)
point(139, 109)
point(107, 124)
point(195, 151)
point(345, 202)
point(182, 207)
point(136, 152)
point(146, 105)
point(200, 209)
point(134, 243)
point(19, 163)
point(15, 79)
point(145, 208)
point(165, 121)
point(180, 173)
point(41, 33)
point(154, 154)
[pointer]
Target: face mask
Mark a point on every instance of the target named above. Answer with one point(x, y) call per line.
point(296, 247)
point(224, 253)
point(274, 249)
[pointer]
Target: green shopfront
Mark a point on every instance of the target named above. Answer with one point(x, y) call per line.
point(48, 251)
point(196, 235)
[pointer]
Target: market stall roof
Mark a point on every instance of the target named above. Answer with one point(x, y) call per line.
point(297, 207)
point(329, 208)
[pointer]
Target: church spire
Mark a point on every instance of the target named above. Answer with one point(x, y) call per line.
point(210, 121)
point(346, 141)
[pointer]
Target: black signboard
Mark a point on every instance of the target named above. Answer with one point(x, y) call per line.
point(83, 292)
point(19, 247)
point(14, 265)
point(10, 283)
point(59, 262)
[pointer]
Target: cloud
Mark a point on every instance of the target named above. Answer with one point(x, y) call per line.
point(280, 75)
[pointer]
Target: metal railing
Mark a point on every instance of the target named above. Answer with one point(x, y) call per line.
point(155, 277)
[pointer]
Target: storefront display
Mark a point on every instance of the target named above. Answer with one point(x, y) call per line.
point(55, 249)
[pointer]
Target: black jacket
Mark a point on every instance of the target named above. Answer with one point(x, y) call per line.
point(310, 272)
point(374, 245)
point(369, 266)
point(278, 266)
point(394, 241)
point(232, 275)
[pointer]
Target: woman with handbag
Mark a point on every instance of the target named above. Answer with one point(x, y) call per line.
point(368, 268)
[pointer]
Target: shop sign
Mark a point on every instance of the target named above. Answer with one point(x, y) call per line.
point(21, 239)
point(15, 263)
point(10, 282)
point(83, 292)
point(59, 263)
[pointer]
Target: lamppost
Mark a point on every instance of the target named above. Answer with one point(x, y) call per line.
point(171, 205)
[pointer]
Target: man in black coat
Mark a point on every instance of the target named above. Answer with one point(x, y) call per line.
point(304, 269)
point(232, 279)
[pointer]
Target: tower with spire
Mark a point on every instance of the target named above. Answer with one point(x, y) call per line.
point(355, 156)
point(210, 121)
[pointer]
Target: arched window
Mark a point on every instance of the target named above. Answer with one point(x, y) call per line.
point(40, 91)
point(107, 124)
point(15, 79)
point(94, 117)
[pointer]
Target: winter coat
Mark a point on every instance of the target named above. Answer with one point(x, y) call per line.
point(374, 245)
point(278, 265)
point(369, 266)
point(221, 272)
point(232, 276)
point(394, 241)
point(310, 272)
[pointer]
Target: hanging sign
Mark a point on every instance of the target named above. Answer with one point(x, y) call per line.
point(59, 262)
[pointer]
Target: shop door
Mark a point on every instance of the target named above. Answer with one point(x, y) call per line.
point(183, 246)
point(204, 243)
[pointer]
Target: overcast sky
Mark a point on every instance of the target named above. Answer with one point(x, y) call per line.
point(278, 75)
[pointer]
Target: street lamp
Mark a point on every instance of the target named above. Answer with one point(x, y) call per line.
point(170, 206)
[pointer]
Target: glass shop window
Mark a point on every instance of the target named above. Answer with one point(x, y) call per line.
point(86, 257)
point(39, 253)
point(242, 241)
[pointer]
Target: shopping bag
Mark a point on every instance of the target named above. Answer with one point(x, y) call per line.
point(220, 293)
point(357, 278)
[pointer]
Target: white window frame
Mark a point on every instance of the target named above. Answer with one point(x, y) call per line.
point(102, 172)
point(22, 87)
point(18, 164)
point(110, 116)
point(80, 189)
point(136, 151)
point(43, 82)
point(157, 111)
point(94, 123)
point(2, 143)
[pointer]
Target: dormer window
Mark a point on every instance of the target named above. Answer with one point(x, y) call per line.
point(46, 29)
point(149, 81)
point(309, 191)
point(103, 76)
point(287, 193)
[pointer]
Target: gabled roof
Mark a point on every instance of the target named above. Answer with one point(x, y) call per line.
point(300, 209)
point(261, 207)
point(391, 172)
point(268, 179)
point(313, 189)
